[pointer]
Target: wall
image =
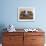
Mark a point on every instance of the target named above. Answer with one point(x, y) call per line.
point(9, 12)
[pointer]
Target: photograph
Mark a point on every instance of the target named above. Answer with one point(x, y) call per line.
point(26, 14)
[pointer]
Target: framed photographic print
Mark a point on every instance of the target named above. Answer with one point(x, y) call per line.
point(26, 14)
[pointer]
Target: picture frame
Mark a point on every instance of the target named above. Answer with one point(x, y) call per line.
point(26, 14)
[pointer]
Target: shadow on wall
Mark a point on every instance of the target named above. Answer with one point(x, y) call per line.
point(2, 26)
